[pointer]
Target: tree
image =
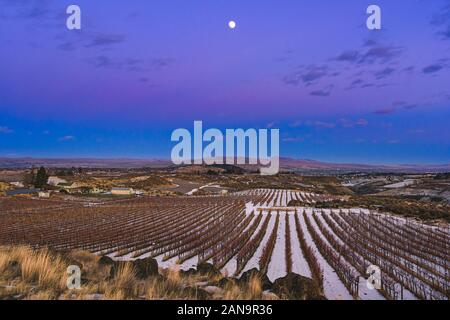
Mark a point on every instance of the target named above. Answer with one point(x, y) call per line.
point(41, 178)
point(30, 178)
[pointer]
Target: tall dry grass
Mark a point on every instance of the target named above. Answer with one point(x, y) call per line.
point(252, 290)
point(124, 283)
point(37, 267)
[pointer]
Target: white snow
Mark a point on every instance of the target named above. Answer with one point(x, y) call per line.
point(253, 262)
point(277, 265)
point(333, 287)
point(299, 263)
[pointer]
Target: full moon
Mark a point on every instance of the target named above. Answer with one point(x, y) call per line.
point(232, 24)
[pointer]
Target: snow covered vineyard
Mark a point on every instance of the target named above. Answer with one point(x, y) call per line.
point(254, 229)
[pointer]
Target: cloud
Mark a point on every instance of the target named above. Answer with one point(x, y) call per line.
point(417, 131)
point(442, 20)
point(356, 82)
point(296, 124)
point(293, 139)
point(321, 124)
point(101, 40)
point(445, 34)
point(320, 93)
point(346, 123)
point(384, 73)
point(308, 75)
point(380, 53)
point(66, 138)
point(373, 52)
point(130, 64)
point(384, 111)
point(70, 41)
point(410, 106)
point(162, 62)
point(5, 130)
point(348, 56)
point(26, 9)
point(362, 122)
point(433, 68)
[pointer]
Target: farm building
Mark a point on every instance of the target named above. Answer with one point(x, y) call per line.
point(22, 192)
point(122, 191)
point(54, 181)
point(44, 194)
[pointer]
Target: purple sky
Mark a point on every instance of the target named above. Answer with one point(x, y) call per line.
point(139, 69)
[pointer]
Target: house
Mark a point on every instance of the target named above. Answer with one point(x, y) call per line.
point(122, 191)
point(17, 184)
point(55, 181)
point(22, 192)
point(44, 194)
point(74, 187)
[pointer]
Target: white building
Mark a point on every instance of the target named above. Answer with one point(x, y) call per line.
point(54, 181)
point(44, 194)
point(122, 191)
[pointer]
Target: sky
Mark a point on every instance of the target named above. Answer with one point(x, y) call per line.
point(137, 70)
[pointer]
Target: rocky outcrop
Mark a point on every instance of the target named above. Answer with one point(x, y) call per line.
point(296, 287)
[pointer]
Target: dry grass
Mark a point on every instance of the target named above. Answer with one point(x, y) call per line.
point(252, 290)
point(41, 275)
point(124, 283)
point(39, 267)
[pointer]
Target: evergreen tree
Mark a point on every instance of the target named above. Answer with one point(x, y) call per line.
point(41, 178)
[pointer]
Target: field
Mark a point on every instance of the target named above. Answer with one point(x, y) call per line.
point(245, 230)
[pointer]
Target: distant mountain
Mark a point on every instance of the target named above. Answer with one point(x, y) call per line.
point(286, 164)
point(313, 165)
point(119, 163)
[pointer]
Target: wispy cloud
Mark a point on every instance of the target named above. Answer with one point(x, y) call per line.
point(293, 139)
point(306, 74)
point(433, 68)
point(442, 21)
point(372, 52)
point(88, 40)
point(320, 93)
point(362, 122)
point(384, 73)
point(321, 124)
point(66, 138)
point(5, 130)
point(384, 111)
point(101, 40)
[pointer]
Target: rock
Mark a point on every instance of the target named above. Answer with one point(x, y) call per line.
point(267, 295)
point(296, 287)
point(146, 268)
point(189, 272)
point(225, 282)
point(106, 261)
point(115, 267)
point(213, 290)
point(246, 276)
point(14, 268)
point(207, 269)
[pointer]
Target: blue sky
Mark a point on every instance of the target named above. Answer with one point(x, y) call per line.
point(138, 70)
